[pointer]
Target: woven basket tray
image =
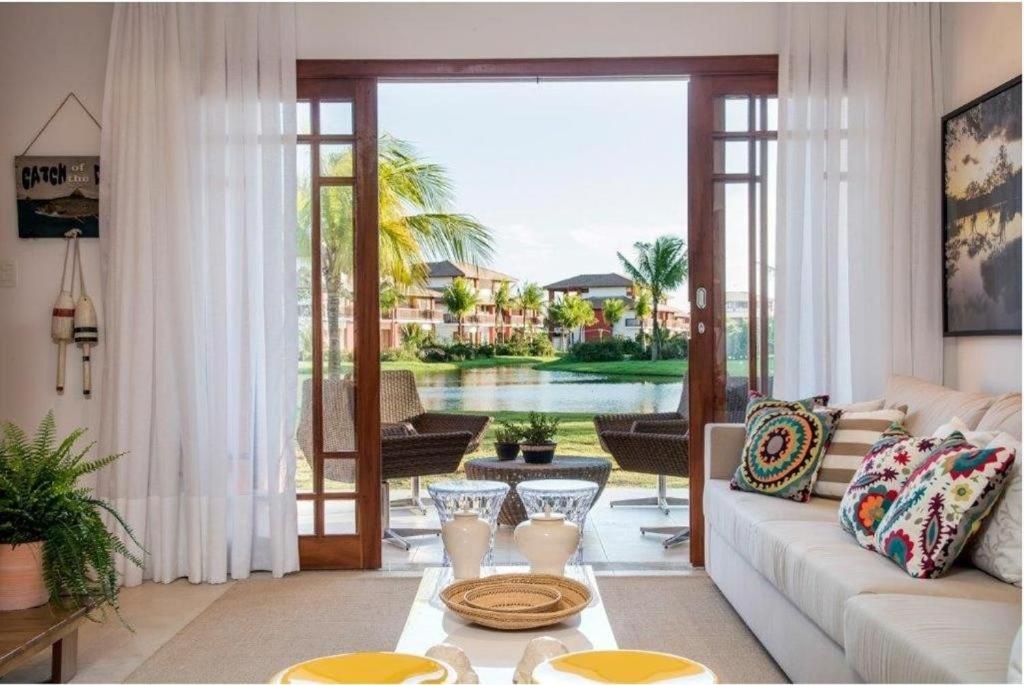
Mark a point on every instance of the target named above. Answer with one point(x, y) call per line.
point(575, 597)
point(512, 597)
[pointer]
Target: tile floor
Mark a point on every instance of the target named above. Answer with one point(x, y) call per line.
point(611, 540)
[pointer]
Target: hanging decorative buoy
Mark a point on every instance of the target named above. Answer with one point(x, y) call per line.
point(62, 321)
point(86, 327)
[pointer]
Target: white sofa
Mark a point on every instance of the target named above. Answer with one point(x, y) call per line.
point(830, 611)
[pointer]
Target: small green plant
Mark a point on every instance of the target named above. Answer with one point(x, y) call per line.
point(540, 429)
point(508, 432)
point(40, 500)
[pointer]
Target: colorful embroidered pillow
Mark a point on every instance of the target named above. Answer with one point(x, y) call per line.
point(783, 451)
point(853, 439)
point(759, 403)
point(879, 479)
point(942, 506)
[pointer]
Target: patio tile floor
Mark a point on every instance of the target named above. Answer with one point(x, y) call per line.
point(611, 538)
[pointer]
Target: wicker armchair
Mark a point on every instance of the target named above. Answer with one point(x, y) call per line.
point(636, 442)
point(400, 404)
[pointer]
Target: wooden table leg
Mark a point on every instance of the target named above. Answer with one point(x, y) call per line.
point(64, 661)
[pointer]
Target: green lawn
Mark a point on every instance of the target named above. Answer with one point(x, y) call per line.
point(576, 436)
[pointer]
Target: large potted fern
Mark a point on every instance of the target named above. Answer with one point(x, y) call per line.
point(53, 542)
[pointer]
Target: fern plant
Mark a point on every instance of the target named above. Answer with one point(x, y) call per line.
point(40, 500)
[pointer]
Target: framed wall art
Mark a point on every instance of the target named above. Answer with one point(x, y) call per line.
point(981, 214)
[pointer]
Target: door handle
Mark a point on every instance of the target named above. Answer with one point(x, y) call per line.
point(702, 298)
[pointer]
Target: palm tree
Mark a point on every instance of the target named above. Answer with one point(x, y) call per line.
point(661, 267)
point(531, 299)
point(642, 307)
point(416, 223)
point(460, 298)
point(503, 300)
point(389, 297)
point(571, 312)
point(612, 311)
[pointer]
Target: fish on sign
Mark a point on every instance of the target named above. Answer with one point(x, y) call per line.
point(57, 194)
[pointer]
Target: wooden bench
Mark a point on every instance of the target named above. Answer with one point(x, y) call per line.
point(25, 633)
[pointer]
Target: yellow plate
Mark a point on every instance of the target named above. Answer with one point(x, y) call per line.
point(368, 667)
point(622, 666)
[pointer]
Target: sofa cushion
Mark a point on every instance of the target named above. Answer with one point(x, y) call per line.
point(819, 567)
point(920, 639)
point(735, 514)
point(996, 548)
point(942, 506)
point(1004, 416)
point(930, 405)
point(783, 452)
point(879, 480)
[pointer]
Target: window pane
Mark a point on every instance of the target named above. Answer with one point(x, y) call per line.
point(305, 517)
point(731, 157)
point(732, 207)
point(302, 118)
point(340, 475)
point(304, 422)
point(336, 118)
point(773, 114)
point(340, 517)
point(335, 159)
point(336, 249)
point(732, 114)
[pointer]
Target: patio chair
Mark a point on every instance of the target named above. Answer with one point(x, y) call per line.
point(400, 404)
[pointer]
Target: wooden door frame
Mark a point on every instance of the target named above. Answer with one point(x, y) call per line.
point(701, 242)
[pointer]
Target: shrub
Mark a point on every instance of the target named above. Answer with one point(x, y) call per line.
point(508, 431)
point(524, 344)
point(607, 350)
point(540, 429)
point(399, 354)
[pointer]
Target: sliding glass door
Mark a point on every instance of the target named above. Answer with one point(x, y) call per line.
point(338, 463)
point(733, 133)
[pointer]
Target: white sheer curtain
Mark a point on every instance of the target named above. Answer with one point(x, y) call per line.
point(858, 279)
point(198, 215)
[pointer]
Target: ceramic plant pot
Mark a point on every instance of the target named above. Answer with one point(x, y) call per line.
point(467, 537)
point(543, 453)
point(21, 576)
point(547, 541)
point(506, 451)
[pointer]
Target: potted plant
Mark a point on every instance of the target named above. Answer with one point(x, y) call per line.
point(53, 542)
point(506, 440)
point(538, 446)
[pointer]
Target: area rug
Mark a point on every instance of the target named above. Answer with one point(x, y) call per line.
point(260, 626)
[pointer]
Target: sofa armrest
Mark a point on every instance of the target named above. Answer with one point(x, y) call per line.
point(723, 446)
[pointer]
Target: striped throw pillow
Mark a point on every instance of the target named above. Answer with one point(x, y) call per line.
point(856, 433)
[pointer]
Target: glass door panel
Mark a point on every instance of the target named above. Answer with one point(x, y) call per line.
point(338, 435)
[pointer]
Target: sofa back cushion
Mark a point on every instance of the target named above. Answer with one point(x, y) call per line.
point(1003, 416)
point(930, 405)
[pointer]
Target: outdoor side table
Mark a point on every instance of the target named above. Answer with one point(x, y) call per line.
point(483, 495)
point(573, 498)
point(593, 469)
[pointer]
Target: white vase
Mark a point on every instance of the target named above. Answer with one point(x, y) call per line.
point(547, 541)
point(467, 537)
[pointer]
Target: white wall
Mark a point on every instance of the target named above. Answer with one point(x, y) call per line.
point(46, 50)
point(981, 45)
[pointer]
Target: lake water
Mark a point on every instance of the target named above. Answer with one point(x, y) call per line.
point(520, 388)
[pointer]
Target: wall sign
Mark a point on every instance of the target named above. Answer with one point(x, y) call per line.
point(57, 194)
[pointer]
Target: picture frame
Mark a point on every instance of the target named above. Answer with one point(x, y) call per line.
point(981, 215)
point(57, 193)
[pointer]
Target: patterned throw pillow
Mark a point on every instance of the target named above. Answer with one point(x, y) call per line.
point(855, 436)
point(879, 479)
point(783, 451)
point(996, 549)
point(942, 505)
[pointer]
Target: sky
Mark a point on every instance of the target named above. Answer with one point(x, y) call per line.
point(564, 173)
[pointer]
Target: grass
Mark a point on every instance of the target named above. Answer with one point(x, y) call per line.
point(674, 368)
point(576, 436)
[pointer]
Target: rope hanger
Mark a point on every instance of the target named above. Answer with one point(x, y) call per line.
point(69, 96)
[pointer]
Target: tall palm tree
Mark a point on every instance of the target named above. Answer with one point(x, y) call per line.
point(661, 267)
point(612, 311)
point(503, 300)
point(531, 299)
point(460, 298)
point(416, 222)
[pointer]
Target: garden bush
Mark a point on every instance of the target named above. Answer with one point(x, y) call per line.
point(607, 350)
point(522, 344)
